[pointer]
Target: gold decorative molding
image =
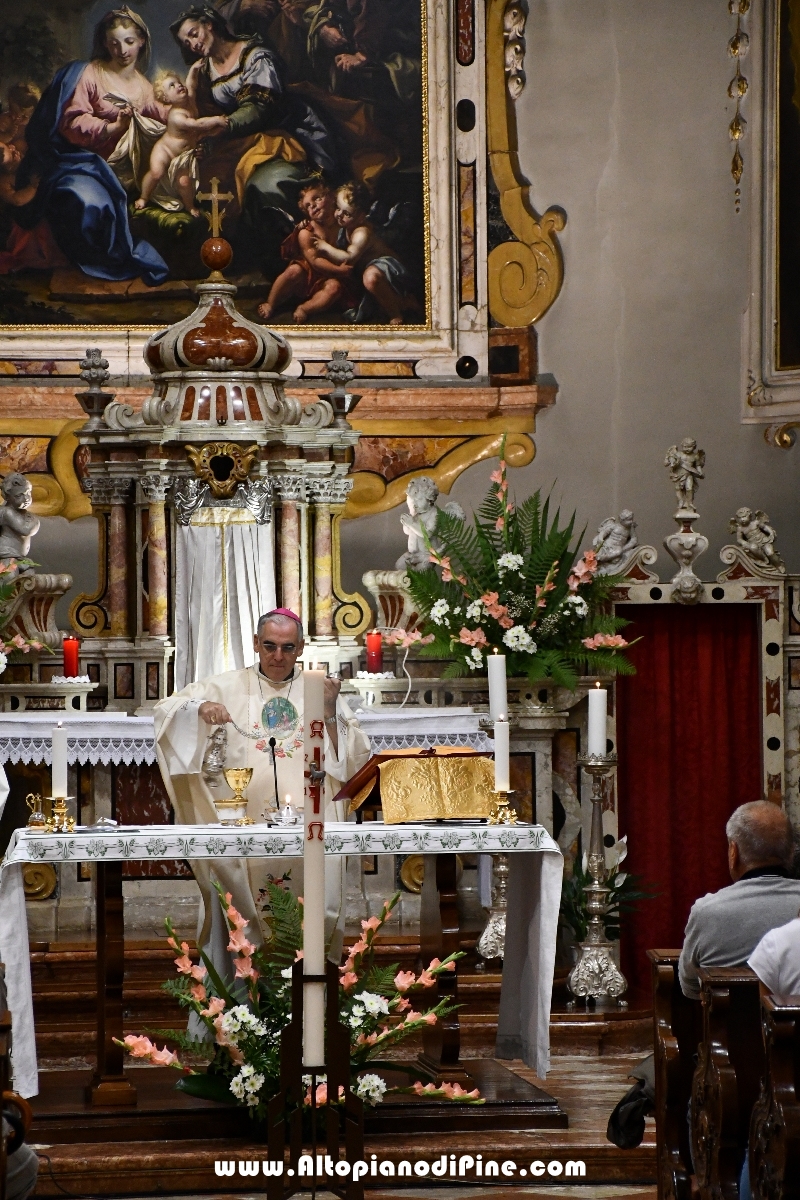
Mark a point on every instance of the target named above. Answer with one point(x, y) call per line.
point(86, 613)
point(58, 494)
point(242, 458)
point(738, 46)
point(525, 277)
point(371, 493)
point(39, 880)
point(782, 436)
point(354, 615)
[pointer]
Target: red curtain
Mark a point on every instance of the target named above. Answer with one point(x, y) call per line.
point(689, 745)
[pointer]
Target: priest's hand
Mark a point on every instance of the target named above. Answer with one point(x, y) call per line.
point(214, 714)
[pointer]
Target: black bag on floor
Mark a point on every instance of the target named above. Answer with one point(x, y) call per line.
point(626, 1123)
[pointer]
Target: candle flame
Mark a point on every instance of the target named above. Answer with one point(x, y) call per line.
point(597, 685)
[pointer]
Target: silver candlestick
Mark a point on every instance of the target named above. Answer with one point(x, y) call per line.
point(596, 974)
point(492, 942)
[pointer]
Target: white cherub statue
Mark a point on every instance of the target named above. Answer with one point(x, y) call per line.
point(17, 525)
point(685, 464)
point(420, 522)
point(756, 537)
point(614, 542)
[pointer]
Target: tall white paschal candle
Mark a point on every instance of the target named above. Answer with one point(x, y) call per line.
point(502, 761)
point(498, 694)
point(598, 706)
point(58, 760)
point(314, 870)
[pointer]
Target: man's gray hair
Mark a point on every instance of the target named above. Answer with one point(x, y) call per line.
point(280, 616)
point(762, 832)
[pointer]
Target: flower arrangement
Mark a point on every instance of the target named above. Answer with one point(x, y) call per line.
point(243, 1022)
point(513, 583)
point(623, 895)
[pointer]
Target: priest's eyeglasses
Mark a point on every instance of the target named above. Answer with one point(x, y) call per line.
point(273, 648)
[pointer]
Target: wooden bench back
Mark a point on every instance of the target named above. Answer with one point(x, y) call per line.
point(676, 1033)
point(775, 1120)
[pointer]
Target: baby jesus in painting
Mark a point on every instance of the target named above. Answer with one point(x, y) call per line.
point(173, 159)
point(384, 276)
point(10, 159)
point(311, 277)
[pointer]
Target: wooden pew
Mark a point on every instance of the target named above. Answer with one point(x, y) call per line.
point(727, 1079)
point(676, 1032)
point(775, 1121)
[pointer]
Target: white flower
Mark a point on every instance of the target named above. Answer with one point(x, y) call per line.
point(247, 1084)
point(439, 611)
point(578, 604)
point(510, 562)
point(371, 1089)
point(474, 611)
point(356, 1016)
point(3, 662)
point(375, 1005)
point(241, 1021)
point(518, 638)
point(476, 656)
point(287, 973)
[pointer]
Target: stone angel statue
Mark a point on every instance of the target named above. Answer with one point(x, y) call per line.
point(614, 542)
point(685, 463)
point(756, 537)
point(420, 522)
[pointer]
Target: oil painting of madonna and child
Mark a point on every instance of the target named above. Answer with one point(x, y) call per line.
point(114, 122)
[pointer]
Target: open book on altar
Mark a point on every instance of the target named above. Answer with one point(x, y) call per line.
point(423, 785)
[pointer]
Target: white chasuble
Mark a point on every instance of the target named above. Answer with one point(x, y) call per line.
point(224, 581)
point(265, 710)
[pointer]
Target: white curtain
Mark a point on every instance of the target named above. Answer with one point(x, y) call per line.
point(224, 580)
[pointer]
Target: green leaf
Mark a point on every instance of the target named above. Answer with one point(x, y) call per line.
point(207, 1087)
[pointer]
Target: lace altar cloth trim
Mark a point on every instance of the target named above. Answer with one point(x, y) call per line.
point(405, 741)
point(263, 841)
point(82, 750)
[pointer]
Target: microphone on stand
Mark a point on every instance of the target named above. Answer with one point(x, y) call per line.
point(275, 774)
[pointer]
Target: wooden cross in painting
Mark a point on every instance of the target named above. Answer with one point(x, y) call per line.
point(216, 197)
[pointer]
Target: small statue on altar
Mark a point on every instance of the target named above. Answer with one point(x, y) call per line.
point(615, 542)
point(685, 464)
point(756, 537)
point(420, 523)
point(17, 525)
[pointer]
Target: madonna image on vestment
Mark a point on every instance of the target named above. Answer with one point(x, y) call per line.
point(115, 121)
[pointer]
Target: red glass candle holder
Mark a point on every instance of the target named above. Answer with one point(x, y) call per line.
point(374, 651)
point(71, 647)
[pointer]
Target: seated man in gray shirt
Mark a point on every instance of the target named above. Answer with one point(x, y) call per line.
point(724, 927)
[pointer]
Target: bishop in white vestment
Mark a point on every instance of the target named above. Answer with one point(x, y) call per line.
point(255, 705)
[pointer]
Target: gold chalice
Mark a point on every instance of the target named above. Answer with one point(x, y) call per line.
point(233, 811)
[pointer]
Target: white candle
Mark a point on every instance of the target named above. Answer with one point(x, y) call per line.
point(502, 761)
point(314, 870)
point(58, 761)
point(598, 702)
point(498, 694)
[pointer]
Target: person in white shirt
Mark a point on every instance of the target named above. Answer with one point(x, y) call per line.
point(776, 959)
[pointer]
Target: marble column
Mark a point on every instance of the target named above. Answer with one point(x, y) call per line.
point(154, 489)
point(290, 488)
point(118, 557)
point(323, 579)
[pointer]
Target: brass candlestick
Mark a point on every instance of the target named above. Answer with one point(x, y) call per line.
point(238, 780)
point(596, 974)
point(60, 821)
point(501, 812)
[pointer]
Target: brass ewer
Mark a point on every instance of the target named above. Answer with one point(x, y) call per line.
point(233, 811)
point(37, 819)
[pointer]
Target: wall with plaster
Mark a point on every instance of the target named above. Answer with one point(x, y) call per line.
point(624, 124)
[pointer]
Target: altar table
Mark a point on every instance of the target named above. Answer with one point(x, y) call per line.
point(534, 894)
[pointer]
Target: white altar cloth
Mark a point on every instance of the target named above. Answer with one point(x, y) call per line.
point(535, 883)
point(114, 737)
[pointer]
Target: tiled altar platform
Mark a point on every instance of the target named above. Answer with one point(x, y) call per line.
point(587, 1088)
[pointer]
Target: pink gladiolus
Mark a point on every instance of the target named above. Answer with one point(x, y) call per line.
point(404, 980)
point(412, 1017)
point(238, 943)
point(430, 1018)
point(215, 1006)
point(18, 641)
point(500, 523)
point(163, 1058)
point(505, 622)
point(372, 923)
point(426, 979)
point(244, 968)
point(605, 641)
point(198, 972)
point(348, 979)
point(37, 645)
point(198, 992)
point(138, 1047)
point(369, 1040)
point(358, 948)
point(472, 637)
point(402, 1003)
point(298, 954)
point(496, 476)
point(184, 964)
point(173, 945)
point(421, 1088)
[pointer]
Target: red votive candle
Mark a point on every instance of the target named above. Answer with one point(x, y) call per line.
point(71, 647)
point(374, 651)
